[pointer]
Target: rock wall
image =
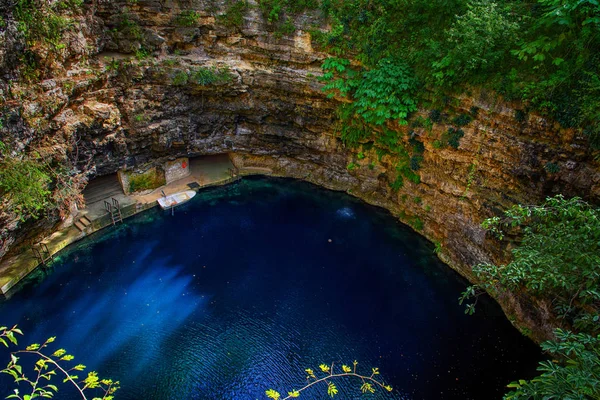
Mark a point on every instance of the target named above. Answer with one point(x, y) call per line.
point(104, 110)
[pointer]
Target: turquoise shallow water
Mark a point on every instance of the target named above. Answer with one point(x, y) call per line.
point(249, 284)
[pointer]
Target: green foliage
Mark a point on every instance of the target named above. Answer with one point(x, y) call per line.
point(545, 52)
point(520, 116)
point(551, 168)
point(415, 162)
point(142, 53)
point(398, 183)
point(557, 258)
point(435, 116)
point(42, 25)
point(417, 223)
point(451, 138)
point(462, 120)
point(379, 95)
point(48, 367)
point(25, 184)
point(438, 247)
point(386, 93)
point(476, 41)
point(471, 175)
point(42, 21)
point(202, 76)
point(274, 10)
point(574, 375)
point(180, 78)
point(285, 29)
point(234, 14)
point(205, 76)
point(188, 18)
point(369, 382)
point(418, 149)
point(150, 179)
point(129, 27)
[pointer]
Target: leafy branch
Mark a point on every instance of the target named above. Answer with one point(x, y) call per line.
point(369, 382)
point(577, 378)
point(557, 257)
point(557, 260)
point(48, 366)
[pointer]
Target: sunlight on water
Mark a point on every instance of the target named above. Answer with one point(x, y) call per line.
point(345, 212)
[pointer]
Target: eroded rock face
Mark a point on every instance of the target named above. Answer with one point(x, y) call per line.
point(106, 111)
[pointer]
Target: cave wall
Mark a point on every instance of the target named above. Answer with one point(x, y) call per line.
point(101, 110)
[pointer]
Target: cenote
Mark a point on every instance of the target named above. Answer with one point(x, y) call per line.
point(249, 284)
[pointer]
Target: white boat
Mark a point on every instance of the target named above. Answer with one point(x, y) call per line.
point(176, 199)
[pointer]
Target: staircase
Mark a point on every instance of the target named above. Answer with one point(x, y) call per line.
point(114, 209)
point(83, 223)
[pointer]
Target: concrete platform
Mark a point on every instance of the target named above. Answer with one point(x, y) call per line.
point(205, 171)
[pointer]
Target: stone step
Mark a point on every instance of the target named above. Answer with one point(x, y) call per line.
point(85, 221)
point(80, 226)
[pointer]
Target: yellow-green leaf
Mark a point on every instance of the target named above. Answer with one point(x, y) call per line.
point(324, 368)
point(331, 389)
point(367, 387)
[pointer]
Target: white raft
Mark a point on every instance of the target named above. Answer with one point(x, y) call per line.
point(176, 199)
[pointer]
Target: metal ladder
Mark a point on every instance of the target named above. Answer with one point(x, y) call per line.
point(42, 253)
point(114, 209)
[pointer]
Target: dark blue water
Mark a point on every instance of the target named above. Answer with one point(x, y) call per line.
point(249, 284)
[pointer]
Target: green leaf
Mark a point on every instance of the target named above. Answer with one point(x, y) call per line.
point(272, 394)
point(331, 389)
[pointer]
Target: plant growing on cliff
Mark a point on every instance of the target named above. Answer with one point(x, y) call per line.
point(476, 41)
point(180, 78)
point(374, 98)
point(273, 10)
point(48, 366)
point(24, 183)
point(234, 14)
point(188, 18)
point(369, 382)
point(205, 76)
point(42, 21)
point(377, 96)
point(557, 258)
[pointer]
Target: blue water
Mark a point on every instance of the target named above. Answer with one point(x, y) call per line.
point(249, 284)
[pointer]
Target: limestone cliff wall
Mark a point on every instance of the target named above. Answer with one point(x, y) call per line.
point(101, 110)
